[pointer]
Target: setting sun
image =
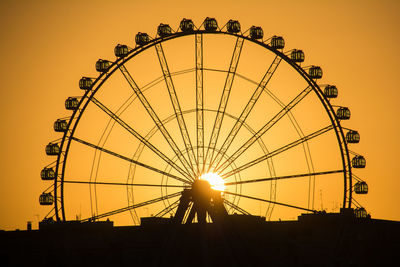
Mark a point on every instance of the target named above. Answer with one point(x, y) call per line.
point(216, 181)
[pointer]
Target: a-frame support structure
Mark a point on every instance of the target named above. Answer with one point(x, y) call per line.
point(200, 200)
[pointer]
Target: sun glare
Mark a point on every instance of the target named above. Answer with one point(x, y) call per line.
point(216, 181)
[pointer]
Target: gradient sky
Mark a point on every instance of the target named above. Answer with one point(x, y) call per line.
point(46, 46)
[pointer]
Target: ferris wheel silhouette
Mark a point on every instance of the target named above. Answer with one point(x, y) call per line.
point(201, 109)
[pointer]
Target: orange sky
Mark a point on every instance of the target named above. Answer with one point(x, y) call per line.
point(46, 46)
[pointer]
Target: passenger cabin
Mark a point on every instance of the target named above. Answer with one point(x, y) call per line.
point(186, 25)
point(297, 55)
point(121, 50)
point(361, 188)
point(60, 125)
point(343, 113)
point(52, 149)
point(85, 83)
point(71, 103)
point(210, 24)
point(103, 65)
point(360, 213)
point(256, 32)
point(46, 199)
point(142, 38)
point(352, 137)
point(331, 91)
point(233, 26)
point(277, 42)
point(358, 162)
point(47, 174)
point(164, 30)
point(315, 72)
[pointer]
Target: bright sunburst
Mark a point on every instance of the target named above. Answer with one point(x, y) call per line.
point(216, 181)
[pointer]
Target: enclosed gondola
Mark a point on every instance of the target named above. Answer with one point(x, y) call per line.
point(85, 83)
point(360, 213)
point(210, 24)
point(315, 72)
point(164, 30)
point(71, 103)
point(233, 26)
point(361, 188)
point(256, 32)
point(103, 65)
point(48, 174)
point(352, 137)
point(358, 162)
point(343, 113)
point(330, 91)
point(142, 38)
point(277, 42)
point(186, 25)
point(297, 55)
point(46, 199)
point(52, 149)
point(121, 50)
point(60, 125)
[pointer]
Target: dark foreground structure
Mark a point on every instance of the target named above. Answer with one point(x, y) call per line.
point(313, 240)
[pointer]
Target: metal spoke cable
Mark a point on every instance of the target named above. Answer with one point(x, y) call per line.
point(232, 205)
point(295, 124)
point(224, 100)
point(139, 137)
point(123, 184)
point(177, 108)
point(265, 128)
point(155, 119)
point(356, 203)
point(277, 151)
point(167, 209)
point(274, 202)
point(283, 177)
point(128, 208)
point(101, 143)
point(50, 212)
point(128, 159)
point(246, 111)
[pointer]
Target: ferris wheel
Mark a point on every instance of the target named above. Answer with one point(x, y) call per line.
point(197, 107)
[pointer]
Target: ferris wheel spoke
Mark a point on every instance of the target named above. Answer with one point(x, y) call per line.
point(356, 203)
point(121, 184)
point(177, 108)
point(168, 208)
point(277, 151)
point(283, 177)
point(157, 120)
point(143, 140)
point(265, 128)
point(295, 124)
point(232, 205)
point(246, 111)
point(131, 207)
point(269, 201)
point(53, 210)
point(224, 100)
point(129, 160)
point(199, 101)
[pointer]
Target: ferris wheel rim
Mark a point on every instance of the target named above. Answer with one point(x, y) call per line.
point(103, 77)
